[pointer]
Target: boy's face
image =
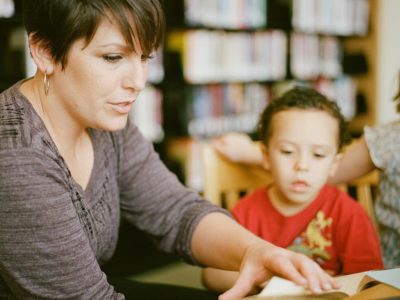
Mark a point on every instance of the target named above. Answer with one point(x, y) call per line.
point(301, 154)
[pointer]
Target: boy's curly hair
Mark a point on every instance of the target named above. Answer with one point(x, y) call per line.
point(302, 98)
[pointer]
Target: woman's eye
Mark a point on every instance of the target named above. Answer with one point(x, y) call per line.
point(319, 155)
point(112, 58)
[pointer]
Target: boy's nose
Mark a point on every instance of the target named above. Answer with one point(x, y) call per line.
point(301, 165)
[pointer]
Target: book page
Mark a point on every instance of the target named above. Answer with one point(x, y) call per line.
point(390, 277)
point(278, 286)
point(350, 285)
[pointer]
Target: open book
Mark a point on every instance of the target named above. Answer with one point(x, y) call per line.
point(278, 287)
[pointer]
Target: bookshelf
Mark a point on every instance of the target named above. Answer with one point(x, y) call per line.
point(12, 43)
point(223, 62)
point(147, 113)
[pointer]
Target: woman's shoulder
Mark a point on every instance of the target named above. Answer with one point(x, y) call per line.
point(342, 204)
point(16, 120)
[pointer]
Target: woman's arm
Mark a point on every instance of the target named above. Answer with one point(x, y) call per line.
point(218, 280)
point(355, 162)
point(219, 242)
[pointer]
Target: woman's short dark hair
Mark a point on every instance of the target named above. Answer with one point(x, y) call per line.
point(302, 98)
point(59, 23)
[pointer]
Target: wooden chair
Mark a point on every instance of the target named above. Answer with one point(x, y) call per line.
point(365, 190)
point(225, 182)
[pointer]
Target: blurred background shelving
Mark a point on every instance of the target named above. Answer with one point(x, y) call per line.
point(224, 62)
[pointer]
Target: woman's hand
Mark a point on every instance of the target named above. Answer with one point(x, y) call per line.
point(263, 260)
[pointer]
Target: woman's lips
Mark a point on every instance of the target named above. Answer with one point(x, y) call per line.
point(122, 107)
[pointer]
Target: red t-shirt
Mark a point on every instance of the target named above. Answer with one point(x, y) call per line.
point(334, 230)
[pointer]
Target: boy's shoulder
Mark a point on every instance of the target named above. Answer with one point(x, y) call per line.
point(340, 201)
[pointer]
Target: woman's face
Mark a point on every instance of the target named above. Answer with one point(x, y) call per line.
point(101, 80)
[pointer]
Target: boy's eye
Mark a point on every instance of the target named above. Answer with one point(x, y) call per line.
point(112, 58)
point(146, 57)
point(286, 151)
point(319, 155)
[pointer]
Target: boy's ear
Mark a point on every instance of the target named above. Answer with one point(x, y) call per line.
point(265, 161)
point(335, 164)
point(41, 55)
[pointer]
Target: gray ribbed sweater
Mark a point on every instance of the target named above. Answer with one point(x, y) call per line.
point(53, 235)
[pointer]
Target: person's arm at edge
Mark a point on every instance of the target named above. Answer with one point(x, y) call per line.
point(238, 147)
point(219, 242)
point(355, 162)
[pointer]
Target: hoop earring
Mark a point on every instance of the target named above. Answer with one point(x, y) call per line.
point(46, 84)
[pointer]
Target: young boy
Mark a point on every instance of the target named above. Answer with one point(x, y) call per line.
point(302, 133)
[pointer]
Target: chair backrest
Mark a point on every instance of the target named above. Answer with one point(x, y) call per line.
point(225, 182)
point(365, 190)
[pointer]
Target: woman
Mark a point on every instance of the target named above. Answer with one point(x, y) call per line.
point(71, 163)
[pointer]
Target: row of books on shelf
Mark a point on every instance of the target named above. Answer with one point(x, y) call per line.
point(227, 99)
point(217, 108)
point(214, 126)
point(232, 14)
point(147, 113)
point(220, 108)
point(7, 8)
point(339, 17)
point(233, 56)
point(215, 56)
point(156, 69)
point(312, 56)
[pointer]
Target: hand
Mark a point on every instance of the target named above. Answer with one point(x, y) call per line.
point(262, 260)
point(238, 147)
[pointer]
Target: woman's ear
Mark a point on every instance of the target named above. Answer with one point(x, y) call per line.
point(265, 162)
point(41, 55)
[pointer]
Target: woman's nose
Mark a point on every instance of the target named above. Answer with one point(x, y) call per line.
point(136, 76)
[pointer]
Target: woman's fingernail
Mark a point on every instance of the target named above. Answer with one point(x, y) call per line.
point(327, 286)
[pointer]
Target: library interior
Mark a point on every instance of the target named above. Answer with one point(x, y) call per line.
point(219, 66)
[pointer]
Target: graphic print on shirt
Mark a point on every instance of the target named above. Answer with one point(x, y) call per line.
point(315, 240)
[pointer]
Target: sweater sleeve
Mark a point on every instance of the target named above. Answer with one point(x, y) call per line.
point(155, 201)
point(44, 252)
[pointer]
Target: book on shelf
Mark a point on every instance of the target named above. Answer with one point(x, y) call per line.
point(279, 288)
